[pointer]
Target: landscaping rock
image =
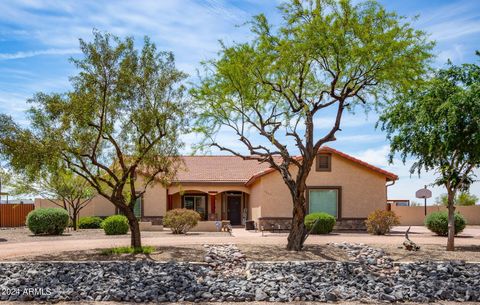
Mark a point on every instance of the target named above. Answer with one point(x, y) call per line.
point(361, 280)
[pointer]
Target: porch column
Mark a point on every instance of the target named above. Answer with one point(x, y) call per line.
point(212, 203)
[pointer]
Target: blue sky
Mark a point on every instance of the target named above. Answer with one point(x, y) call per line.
point(38, 36)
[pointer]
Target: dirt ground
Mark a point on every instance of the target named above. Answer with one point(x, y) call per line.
point(191, 253)
point(195, 253)
point(279, 253)
point(18, 235)
point(19, 244)
point(432, 252)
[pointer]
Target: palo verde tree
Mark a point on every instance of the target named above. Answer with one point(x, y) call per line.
point(62, 188)
point(438, 124)
point(118, 128)
point(326, 56)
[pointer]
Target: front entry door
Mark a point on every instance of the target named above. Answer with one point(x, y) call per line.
point(234, 209)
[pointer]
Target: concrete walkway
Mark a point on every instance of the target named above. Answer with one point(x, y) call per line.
point(8, 251)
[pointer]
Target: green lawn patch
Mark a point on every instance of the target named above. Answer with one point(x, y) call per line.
point(128, 250)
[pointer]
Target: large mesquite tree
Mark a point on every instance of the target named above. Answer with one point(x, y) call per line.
point(326, 56)
point(438, 124)
point(122, 117)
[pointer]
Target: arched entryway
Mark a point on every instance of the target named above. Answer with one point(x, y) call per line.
point(213, 205)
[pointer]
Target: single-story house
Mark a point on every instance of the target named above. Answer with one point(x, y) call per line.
point(230, 188)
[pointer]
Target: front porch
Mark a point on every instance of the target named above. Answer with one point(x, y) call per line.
point(213, 204)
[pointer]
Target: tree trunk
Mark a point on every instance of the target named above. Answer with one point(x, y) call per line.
point(136, 240)
point(75, 219)
point(296, 238)
point(451, 223)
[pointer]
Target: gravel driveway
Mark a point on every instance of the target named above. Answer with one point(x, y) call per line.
point(19, 242)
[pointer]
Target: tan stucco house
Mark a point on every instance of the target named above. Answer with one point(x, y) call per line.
point(230, 188)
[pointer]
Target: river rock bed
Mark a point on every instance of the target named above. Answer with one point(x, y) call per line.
point(147, 281)
point(225, 259)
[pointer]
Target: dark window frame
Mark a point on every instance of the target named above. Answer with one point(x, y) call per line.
point(205, 217)
point(339, 197)
point(317, 163)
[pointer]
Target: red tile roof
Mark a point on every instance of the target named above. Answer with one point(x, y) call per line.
point(221, 169)
point(232, 169)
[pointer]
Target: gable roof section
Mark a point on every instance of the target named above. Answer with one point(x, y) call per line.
point(325, 149)
point(235, 170)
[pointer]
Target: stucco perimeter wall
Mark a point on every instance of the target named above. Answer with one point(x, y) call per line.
point(99, 206)
point(363, 190)
point(414, 216)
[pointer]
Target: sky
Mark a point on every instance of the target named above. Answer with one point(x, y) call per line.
point(37, 38)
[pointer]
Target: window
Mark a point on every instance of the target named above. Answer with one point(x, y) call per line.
point(196, 203)
point(324, 163)
point(137, 209)
point(324, 200)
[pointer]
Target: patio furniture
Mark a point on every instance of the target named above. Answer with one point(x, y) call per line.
point(226, 227)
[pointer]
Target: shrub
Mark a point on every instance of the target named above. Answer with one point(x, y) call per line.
point(437, 222)
point(51, 221)
point(324, 225)
point(115, 225)
point(90, 222)
point(180, 221)
point(380, 222)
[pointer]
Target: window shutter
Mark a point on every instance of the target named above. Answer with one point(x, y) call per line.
point(323, 163)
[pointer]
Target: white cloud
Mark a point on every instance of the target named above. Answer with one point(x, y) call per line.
point(360, 138)
point(455, 54)
point(25, 54)
point(451, 21)
point(347, 121)
point(375, 156)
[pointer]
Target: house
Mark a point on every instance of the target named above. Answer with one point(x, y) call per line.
point(230, 188)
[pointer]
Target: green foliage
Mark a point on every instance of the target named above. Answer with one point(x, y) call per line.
point(180, 221)
point(115, 225)
point(380, 222)
point(50, 221)
point(325, 56)
point(437, 222)
point(466, 199)
point(123, 116)
point(128, 250)
point(324, 53)
point(324, 225)
point(438, 123)
point(462, 199)
point(90, 222)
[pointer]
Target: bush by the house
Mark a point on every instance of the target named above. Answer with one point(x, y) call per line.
point(115, 225)
point(380, 222)
point(323, 226)
point(180, 221)
point(51, 221)
point(437, 222)
point(90, 222)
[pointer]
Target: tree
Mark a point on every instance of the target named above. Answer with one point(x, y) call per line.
point(438, 124)
point(326, 56)
point(118, 128)
point(462, 199)
point(63, 188)
point(5, 179)
point(466, 199)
